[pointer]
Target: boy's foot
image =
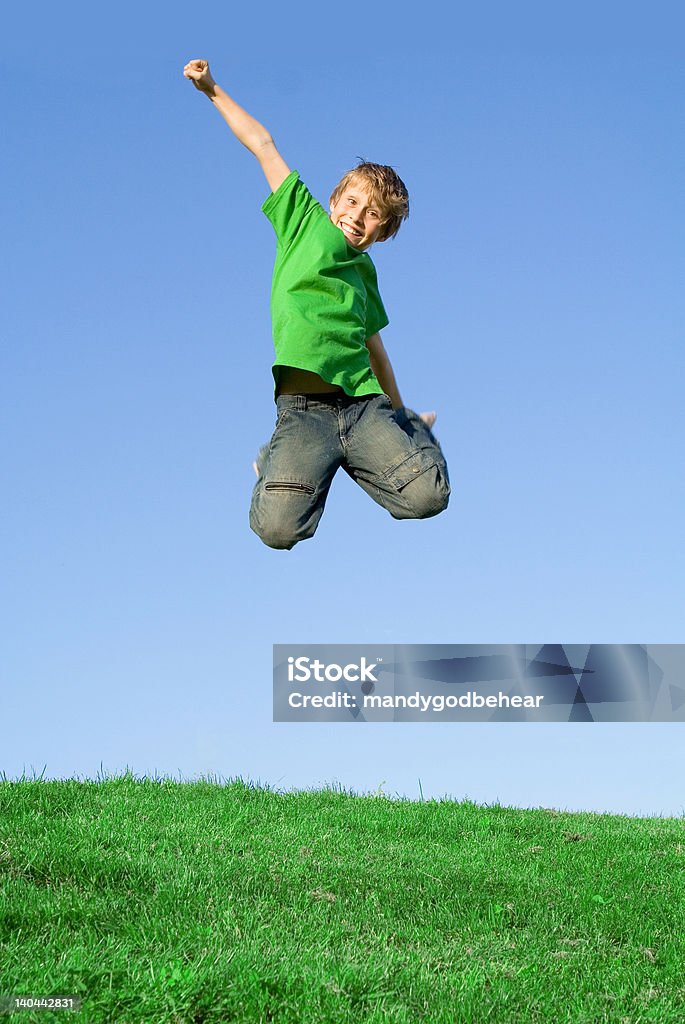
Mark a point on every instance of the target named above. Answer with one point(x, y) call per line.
point(428, 418)
point(259, 461)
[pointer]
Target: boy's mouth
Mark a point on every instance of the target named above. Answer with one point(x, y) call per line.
point(351, 232)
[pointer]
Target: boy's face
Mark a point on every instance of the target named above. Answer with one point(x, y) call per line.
point(357, 216)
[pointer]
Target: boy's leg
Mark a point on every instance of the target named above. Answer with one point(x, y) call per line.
point(295, 472)
point(398, 461)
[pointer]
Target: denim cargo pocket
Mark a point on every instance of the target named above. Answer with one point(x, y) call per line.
point(411, 467)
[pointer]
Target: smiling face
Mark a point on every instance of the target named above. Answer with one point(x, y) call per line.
point(357, 215)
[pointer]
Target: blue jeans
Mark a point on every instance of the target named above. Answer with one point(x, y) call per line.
point(391, 454)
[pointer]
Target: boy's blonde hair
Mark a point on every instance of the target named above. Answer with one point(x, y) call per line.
point(385, 187)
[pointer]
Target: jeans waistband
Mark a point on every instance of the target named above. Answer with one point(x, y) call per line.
point(331, 398)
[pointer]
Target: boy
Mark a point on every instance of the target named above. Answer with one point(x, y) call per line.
point(337, 399)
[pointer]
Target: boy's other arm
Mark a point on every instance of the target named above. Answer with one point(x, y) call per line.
point(246, 129)
point(382, 367)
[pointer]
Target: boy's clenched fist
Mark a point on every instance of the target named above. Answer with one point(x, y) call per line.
point(200, 75)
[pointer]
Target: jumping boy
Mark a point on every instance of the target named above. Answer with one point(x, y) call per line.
point(337, 400)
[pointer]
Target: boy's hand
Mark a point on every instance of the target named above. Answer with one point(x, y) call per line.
point(200, 75)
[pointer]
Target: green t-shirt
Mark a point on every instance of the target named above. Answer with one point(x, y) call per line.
point(324, 297)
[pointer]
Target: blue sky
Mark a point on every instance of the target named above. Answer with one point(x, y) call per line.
point(535, 300)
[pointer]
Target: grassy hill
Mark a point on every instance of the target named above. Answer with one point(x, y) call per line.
point(205, 903)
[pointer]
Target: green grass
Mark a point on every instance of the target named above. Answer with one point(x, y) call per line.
point(204, 903)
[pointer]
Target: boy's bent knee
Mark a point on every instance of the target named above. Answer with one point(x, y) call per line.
point(280, 533)
point(281, 524)
point(275, 537)
point(427, 496)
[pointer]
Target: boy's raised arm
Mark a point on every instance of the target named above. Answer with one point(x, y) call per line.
point(251, 133)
